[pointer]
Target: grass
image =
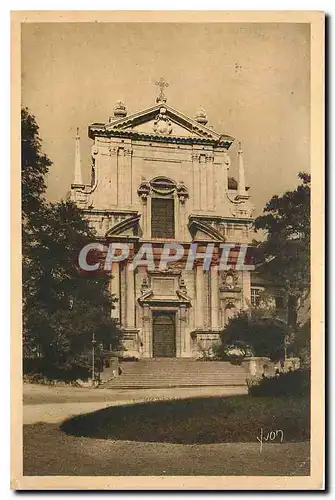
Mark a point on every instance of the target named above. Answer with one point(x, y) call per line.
point(201, 420)
point(49, 451)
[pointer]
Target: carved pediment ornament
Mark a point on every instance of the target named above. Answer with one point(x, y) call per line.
point(229, 281)
point(162, 124)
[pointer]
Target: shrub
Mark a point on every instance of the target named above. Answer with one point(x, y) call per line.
point(293, 383)
point(41, 370)
point(301, 345)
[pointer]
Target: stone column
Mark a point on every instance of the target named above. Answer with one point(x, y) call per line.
point(130, 299)
point(214, 297)
point(199, 290)
point(115, 290)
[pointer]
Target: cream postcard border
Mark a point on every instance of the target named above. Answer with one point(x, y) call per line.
point(315, 480)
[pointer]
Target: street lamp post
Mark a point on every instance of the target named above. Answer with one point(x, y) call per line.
point(93, 358)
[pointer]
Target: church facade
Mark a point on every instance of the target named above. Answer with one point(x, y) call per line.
point(159, 176)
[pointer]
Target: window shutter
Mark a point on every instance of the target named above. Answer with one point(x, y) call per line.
point(162, 218)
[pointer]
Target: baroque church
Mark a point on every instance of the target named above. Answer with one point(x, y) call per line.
point(159, 176)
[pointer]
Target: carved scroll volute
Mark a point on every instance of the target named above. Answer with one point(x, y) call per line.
point(144, 190)
point(182, 192)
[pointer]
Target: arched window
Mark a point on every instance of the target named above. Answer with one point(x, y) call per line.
point(162, 208)
point(163, 201)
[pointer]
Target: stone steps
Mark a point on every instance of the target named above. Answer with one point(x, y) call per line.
point(177, 373)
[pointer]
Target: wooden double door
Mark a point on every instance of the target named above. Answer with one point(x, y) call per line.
point(164, 334)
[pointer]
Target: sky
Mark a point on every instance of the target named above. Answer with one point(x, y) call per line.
point(253, 80)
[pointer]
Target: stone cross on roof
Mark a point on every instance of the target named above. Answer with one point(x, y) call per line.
point(162, 83)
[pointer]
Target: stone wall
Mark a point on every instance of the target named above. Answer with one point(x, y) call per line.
point(257, 367)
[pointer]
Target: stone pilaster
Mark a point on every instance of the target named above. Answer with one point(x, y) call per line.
point(145, 221)
point(210, 182)
point(199, 290)
point(115, 290)
point(203, 183)
point(113, 162)
point(182, 197)
point(130, 298)
point(124, 176)
point(196, 181)
point(144, 192)
point(123, 294)
point(120, 177)
point(214, 298)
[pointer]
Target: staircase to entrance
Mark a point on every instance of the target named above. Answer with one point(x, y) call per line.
point(177, 372)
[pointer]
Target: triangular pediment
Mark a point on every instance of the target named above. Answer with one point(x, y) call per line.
point(161, 121)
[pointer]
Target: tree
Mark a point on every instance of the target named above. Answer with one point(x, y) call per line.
point(67, 306)
point(255, 332)
point(34, 166)
point(62, 307)
point(285, 254)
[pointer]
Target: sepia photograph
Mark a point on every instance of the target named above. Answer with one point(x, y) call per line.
point(168, 170)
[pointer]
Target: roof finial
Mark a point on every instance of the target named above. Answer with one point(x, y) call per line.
point(201, 116)
point(242, 193)
point(77, 163)
point(162, 83)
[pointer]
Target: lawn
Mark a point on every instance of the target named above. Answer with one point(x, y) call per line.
point(202, 420)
